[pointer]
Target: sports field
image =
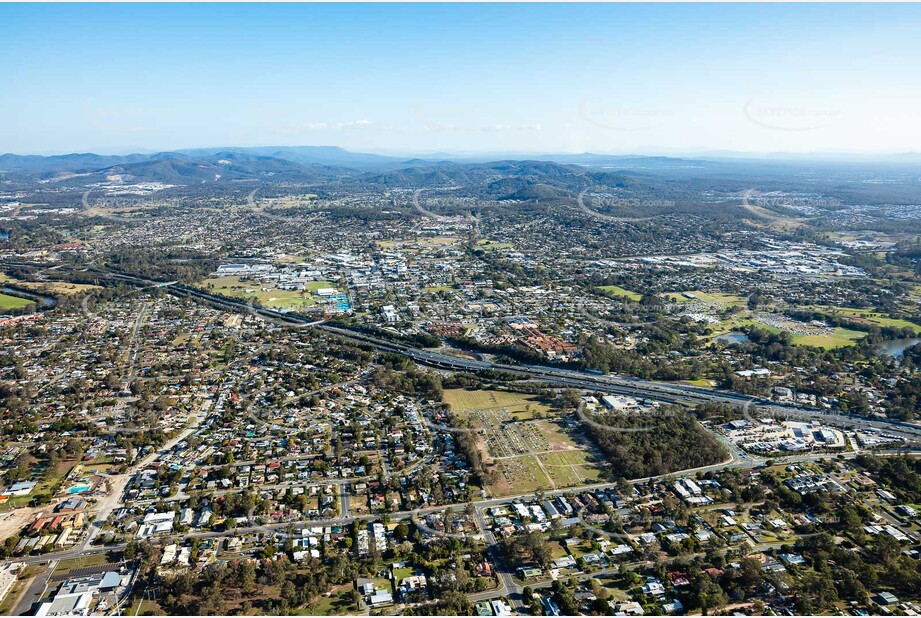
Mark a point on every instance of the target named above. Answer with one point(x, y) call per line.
point(837, 338)
point(267, 296)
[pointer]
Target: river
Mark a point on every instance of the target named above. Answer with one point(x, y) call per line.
point(895, 347)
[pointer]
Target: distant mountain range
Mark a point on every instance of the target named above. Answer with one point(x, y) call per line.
point(180, 167)
point(529, 177)
point(276, 164)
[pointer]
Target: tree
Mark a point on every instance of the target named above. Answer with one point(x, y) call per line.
point(247, 574)
point(707, 594)
point(401, 532)
point(815, 592)
point(751, 576)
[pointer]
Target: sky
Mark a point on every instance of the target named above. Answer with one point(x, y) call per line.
point(461, 78)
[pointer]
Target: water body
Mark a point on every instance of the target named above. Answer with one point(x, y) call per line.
point(895, 347)
point(733, 338)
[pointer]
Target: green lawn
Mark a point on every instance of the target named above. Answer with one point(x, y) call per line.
point(616, 290)
point(838, 338)
point(337, 602)
point(271, 297)
point(704, 382)
point(282, 299)
point(461, 399)
point(401, 574)
point(91, 560)
point(491, 245)
point(14, 302)
point(50, 287)
point(563, 476)
point(289, 259)
point(313, 286)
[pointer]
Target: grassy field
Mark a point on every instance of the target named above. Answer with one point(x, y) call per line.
point(60, 288)
point(271, 297)
point(868, 316)
point(838, 338)
point(557, 550)
point(144, 607)
point(14, 302)
point(6, 607)
point(616, 290)
point(704, 382)
point(461, 399)
point(337, 602)
point(492, 245)
point(434, 241)
point(98, 468)
point(735, 323)
point(289, 259)
point(561, 476)
point(91, 560)
point(313, 286)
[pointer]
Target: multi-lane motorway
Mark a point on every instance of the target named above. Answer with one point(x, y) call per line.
point(669, 393)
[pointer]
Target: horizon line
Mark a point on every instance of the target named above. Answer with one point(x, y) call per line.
point(663, 152)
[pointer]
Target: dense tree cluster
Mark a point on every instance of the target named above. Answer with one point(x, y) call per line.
point(902, 474)
point(271, 585)
point(638, 445)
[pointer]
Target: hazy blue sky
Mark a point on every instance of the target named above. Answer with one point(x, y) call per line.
point(426, 78)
